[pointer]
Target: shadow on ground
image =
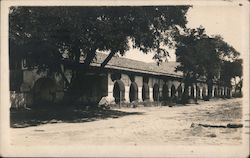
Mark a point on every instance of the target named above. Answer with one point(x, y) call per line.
point(26, 118)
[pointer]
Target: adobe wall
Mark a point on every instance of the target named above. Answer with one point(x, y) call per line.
point(101, 86)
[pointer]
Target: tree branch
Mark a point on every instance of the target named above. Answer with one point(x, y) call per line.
point(104, 63)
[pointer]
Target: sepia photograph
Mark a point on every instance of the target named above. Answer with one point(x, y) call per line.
point(125, 79)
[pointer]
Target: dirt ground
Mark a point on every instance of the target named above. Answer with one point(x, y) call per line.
point(143, 126)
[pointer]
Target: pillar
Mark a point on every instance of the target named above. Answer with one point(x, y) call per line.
point(195, 91)
point(189, 91)
point(140, 94)
point(169, 92)
point(126, 94)
point(212, 95)
point(151, 94)
point(110, 97)
point(201, 93)
point(160, 93)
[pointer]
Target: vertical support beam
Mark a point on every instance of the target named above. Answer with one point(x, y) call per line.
point(206, 91)
point(189, 91)
point(126, 94)
point(195, 91)
point(202, 93)
point(213, 91)
point(169, 92)
point(110, 97)
point(140, 94)
point(160, 92)
point(151, 94)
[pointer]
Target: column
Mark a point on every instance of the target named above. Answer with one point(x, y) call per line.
point(169, 92)
point(189, 91)
point(213, 92)
point(195, 91)
point(126, 94)
point(160, 93)
point(200, 93)
point(151, 94)
point(140, 94)
point(110, 97)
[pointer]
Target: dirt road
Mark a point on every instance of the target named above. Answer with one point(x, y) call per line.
point(149, 126)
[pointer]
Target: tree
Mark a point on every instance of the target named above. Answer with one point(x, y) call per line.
point(187, 53)
point(201, 56)
point(231, 70)
point(50, 36)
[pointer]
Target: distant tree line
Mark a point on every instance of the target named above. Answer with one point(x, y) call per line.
point(206, 57)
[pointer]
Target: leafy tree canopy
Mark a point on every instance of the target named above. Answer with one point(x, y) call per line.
point(231, 69)
point(202, 56)
point(45, 35)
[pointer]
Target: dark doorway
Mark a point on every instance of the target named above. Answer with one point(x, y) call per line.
point(215, 92)
point(165, 92)
point(119, 91)
point(179, 91)
point(192, 92)
point(203, 92)
point(198, 93)
point(156, 95)
point(133, 92)
point(145, 92)
point(173, 91)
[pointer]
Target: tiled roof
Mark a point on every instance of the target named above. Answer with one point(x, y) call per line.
point(166, 68)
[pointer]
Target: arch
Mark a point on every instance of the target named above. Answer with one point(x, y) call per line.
point(165, 92)
point(221, 92)
point(179, 91)
point(203, 92)
point(156, 92)
point(44, 91)
point(215, 92)
point(198, 92)
point(228, 92)
point(119, 91)
point(173, 90)
point(145, 91)
point(192, 92)
point(133, 92)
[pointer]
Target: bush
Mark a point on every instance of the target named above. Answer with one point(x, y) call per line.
point(17, 100)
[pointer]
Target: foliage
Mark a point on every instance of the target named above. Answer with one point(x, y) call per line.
point(48, 34)
point(231, 69)
point(201, 56)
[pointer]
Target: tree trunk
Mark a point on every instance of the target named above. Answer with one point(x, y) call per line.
point(111, 54)
point(184, 98)
point(187, 83)
point(77, 87)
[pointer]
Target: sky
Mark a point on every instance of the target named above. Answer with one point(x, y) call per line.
point(227, 21)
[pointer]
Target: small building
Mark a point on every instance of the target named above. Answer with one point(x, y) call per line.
point(121, 81)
